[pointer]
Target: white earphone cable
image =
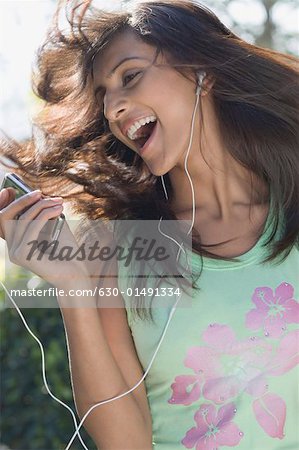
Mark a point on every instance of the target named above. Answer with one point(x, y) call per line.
point(104, 402)
point(198, 91)
point(77, 427)
point(43, 362)
point(176, 303)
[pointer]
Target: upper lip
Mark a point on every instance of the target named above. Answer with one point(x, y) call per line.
point(128, 123)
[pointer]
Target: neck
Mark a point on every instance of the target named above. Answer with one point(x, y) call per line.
point(220, 182)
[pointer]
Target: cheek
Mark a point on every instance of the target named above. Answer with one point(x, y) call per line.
point(115, 131)
point(177, 119)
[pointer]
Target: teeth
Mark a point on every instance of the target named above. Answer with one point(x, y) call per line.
point(131, 133)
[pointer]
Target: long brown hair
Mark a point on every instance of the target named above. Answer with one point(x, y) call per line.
point(255, 95)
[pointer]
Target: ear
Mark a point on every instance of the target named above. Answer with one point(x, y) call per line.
point(207, 85)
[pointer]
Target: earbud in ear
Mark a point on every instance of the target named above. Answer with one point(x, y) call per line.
point(200, 78)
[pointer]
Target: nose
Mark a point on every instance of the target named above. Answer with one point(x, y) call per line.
point(114, 106)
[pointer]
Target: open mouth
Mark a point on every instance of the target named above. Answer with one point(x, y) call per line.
point(144, 134)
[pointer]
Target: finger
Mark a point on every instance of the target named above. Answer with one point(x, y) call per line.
point(24, 254)
point(12, 210)
point(4, 196)
point(17, 206)
point(34, 228)
point(33, 213)
point(34, 210)
point(7, 195)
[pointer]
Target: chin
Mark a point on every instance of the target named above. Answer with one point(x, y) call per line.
point(157, 171)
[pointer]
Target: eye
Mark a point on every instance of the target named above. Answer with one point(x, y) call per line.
point(130, 77)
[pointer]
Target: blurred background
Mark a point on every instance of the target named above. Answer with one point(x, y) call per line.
point(30, 419)
point(268, 23)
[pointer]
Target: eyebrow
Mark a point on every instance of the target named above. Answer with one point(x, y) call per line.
point(120, 63)
point(123, 61)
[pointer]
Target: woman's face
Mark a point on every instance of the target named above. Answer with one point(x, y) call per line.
point(147, 103)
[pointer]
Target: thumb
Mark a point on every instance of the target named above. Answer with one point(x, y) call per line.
point(6, 196)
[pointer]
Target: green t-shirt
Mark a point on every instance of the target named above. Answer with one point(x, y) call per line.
point(225, 375)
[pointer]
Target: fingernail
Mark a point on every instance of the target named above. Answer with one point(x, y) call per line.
point(56, 199)
point(35, 193)
point(4, 192)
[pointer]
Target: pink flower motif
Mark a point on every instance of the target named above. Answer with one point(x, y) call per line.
point(273, 310)
point(270, 413)
point(228, 366)
point(214, 428)
point(286, 356)
point(186, 389)
point(223, 369)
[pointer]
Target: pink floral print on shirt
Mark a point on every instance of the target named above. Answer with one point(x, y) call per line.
point(213, 428)
point(223, 368)
point(226, 367)
point(274, 310)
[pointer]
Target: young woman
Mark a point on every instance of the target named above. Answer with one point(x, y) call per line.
point(162, 112)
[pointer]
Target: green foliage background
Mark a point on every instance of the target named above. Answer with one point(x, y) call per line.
point(30, 418)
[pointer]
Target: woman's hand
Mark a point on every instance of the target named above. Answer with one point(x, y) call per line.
point(11, 209)
point(21, 221)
